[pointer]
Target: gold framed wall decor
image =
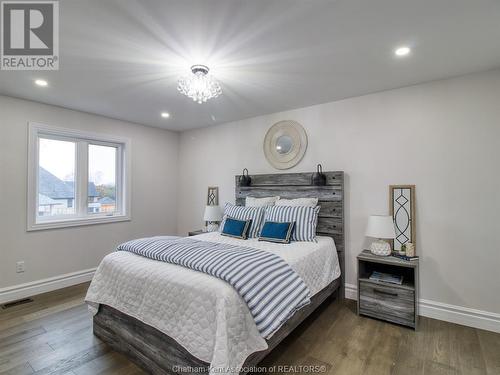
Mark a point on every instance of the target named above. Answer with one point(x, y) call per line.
point(402, 209)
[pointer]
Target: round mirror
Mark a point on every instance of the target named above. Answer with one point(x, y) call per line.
point(284, 144)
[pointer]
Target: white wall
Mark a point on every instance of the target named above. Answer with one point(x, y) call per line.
point(51, 253)
point(443, 136)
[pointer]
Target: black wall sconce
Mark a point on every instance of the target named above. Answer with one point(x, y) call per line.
point(318, 178)
point(245, 179)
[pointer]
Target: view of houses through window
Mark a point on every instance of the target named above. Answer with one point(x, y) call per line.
point(102, 178)
point(56, 178)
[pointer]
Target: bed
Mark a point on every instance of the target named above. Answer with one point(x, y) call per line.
point(170, 319)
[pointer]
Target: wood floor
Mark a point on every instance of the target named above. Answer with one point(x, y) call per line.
point(53, 335)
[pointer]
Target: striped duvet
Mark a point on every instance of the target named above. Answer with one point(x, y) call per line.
point(272, 290)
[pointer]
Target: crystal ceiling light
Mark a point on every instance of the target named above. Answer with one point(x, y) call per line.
point(199, 86)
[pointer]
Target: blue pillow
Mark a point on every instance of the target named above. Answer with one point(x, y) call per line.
point(277, 232)
point(236, 228)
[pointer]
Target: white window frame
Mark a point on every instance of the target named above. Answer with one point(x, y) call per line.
point(82, 140)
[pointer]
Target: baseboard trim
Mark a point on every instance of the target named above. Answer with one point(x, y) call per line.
point(461, 315)
point(351, 291)
point(450, 313)
point(13, 293)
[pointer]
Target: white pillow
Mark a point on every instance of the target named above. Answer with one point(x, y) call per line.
point(261, 202)
point(305, 202)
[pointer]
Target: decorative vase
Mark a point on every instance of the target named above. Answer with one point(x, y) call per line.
point(380, 247)
point(410, 249)
point(403, 250)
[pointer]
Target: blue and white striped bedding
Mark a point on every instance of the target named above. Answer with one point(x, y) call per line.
point(272, 290)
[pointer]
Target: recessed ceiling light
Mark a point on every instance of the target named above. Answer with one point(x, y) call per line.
point(402, 51)
point(41, 82)
point(165, 114)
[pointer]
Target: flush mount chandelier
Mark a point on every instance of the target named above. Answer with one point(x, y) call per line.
point(199, 86)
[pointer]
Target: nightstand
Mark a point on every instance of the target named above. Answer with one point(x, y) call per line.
point(196, 232)
point(391, 302)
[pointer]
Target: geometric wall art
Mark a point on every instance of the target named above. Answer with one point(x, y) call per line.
point(213, 196)
point(402, 209)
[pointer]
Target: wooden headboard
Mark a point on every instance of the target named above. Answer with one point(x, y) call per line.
point(298, 185)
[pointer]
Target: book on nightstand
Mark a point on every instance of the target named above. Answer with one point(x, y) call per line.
point(386, 278)
point(404, 257)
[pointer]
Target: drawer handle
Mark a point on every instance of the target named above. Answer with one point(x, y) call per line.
point(378, 291)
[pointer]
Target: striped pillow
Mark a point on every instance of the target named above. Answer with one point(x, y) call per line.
point(305, 218)
point(245, 213)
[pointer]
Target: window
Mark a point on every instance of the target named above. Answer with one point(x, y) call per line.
point(76, 178)
point(102, 179)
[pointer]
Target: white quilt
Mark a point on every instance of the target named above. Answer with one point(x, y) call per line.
point(202, 313)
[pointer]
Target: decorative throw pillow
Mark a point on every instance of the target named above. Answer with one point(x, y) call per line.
point(260, 202)
point(305, 218)
point(245, 213)
point(307, 202)
point(236, 228)
point(276, 232)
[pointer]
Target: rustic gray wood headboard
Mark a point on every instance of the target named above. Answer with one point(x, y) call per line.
point(297, 185)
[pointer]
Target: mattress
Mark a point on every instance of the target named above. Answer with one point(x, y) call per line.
point(202, 313)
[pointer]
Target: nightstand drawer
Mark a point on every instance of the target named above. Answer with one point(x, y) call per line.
point(386, 302)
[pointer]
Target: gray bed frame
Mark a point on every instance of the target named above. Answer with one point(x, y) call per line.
point(158, 353)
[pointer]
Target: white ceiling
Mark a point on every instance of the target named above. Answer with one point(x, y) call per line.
point(122, 58)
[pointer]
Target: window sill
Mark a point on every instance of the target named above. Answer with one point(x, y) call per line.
point(68, 223)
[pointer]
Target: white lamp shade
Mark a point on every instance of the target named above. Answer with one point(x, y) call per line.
point(380, 227)
point(212, 213)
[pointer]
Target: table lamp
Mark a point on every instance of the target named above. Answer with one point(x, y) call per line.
point(213, 215)
point(381, 227)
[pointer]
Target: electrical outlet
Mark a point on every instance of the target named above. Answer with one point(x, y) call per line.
point(20, 266)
